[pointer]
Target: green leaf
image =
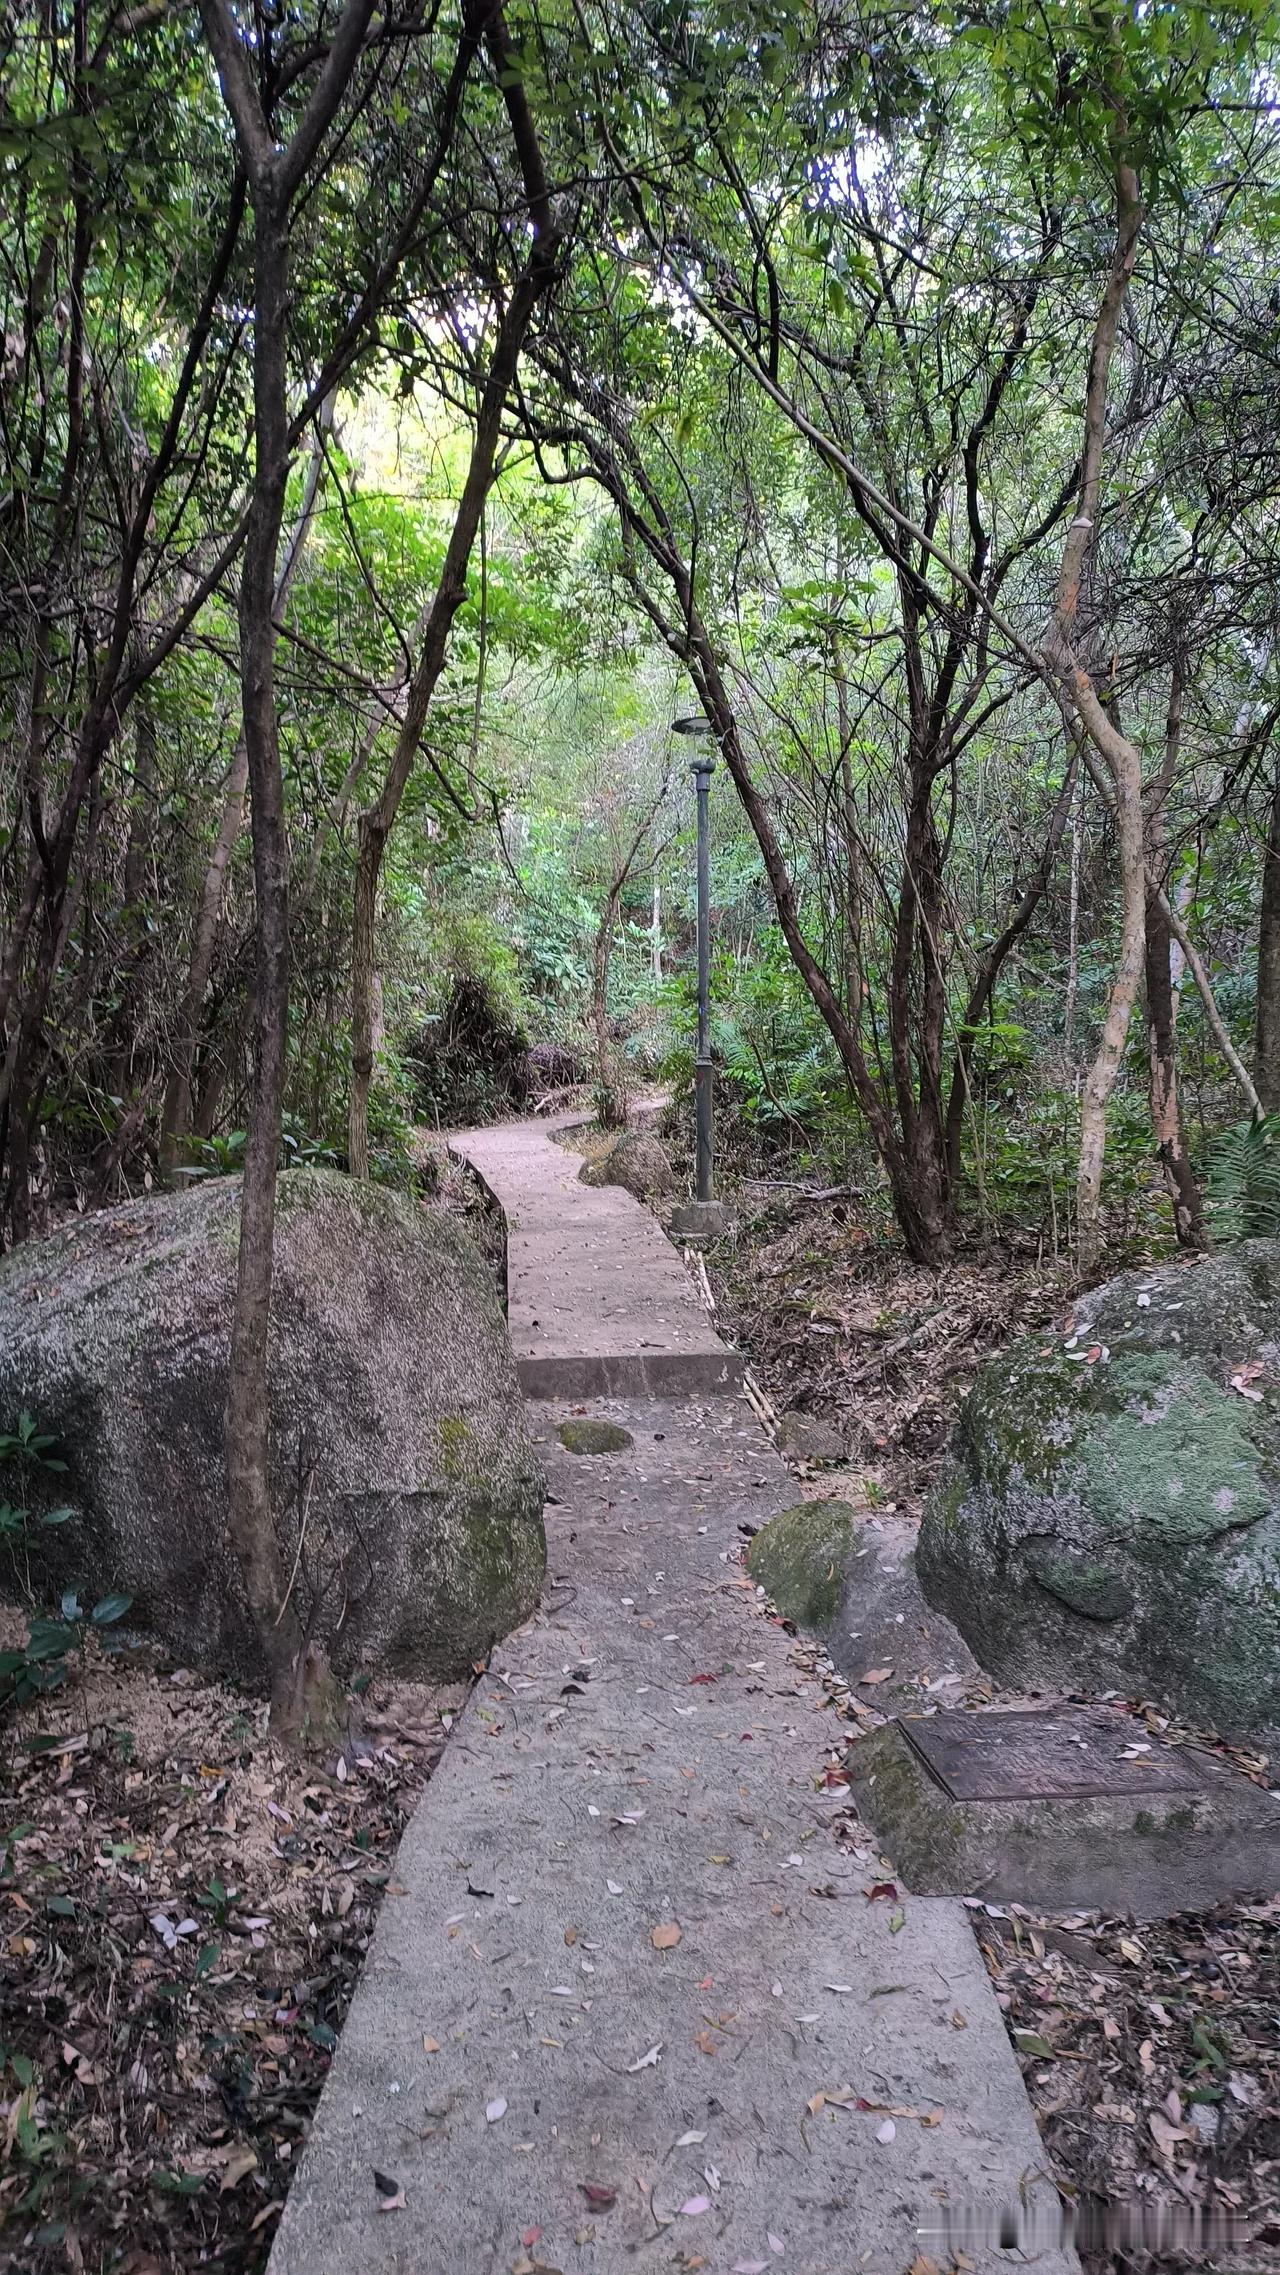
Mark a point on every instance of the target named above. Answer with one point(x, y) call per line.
point(207, 1958)
point(109, 1609)
point(1031, 2042)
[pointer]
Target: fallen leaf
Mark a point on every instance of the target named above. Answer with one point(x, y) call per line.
point(241, 2161)
point(880, 1888)
point(695, 2205)
point(390, 2192)
point(690, 2140)
point(430, 2045)
point(646, 2061)
point(495, 2109)
point(665, 1938)
point(876, 1675)
point(600, 2198)
point(886, 2132)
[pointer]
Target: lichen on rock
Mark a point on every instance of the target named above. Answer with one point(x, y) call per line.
point(1112, 1514)
point(586, 1435)
point(636, 1162)
point(799, 1557)
point(396, 1422)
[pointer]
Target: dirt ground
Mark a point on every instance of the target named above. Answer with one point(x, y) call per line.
point(183, 1916)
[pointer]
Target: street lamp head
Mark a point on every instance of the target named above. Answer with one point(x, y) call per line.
point(694, 726)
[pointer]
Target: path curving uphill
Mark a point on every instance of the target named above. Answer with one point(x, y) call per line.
point(628, 1959)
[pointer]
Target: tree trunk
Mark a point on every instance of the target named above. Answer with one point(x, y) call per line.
point(176, 1114)
point(252, 1520)
point(1267, 1049)
point(1166, 1115)
point(1119, 753)
point(376, 823)
point(611, 1098)
point(993, 963)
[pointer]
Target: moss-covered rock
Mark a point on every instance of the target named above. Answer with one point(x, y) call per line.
point(635, 1161)
point(396, 1421)
point(1112, 1516)
point(798, 1558)
point(584, 1436)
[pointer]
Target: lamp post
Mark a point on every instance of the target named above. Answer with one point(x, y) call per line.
point(705, 1216)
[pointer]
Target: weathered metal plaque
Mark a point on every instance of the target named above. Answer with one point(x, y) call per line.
point(1069, 1753)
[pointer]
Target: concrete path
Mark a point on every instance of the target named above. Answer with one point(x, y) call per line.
point(632, 2001)
point(599, 1303)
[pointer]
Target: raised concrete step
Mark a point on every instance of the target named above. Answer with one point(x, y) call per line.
point(599, 1303)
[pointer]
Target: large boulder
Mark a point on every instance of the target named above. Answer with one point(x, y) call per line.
point(635, 1161)
point(403, 1476)
point(1112, 1518)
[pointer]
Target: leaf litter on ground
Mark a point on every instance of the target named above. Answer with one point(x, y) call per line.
point(185, 1914)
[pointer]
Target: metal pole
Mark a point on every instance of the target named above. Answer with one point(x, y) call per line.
point(702, 1078)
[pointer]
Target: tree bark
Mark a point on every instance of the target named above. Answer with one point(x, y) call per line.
point(611, 1097)
point(252, 1519)
point(1266, 1062)
point(1166, 1115)
point(993, 962)
point(1119, 753)
point(275, 175)
point(176, 1115)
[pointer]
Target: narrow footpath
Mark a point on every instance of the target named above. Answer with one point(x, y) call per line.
point(623, 1956)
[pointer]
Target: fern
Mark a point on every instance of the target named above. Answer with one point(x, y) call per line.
point(1242, 1181)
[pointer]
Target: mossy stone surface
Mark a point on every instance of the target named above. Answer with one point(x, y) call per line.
point(798, 1558)
point(1116, 1853)
point(1111, 1517)
point(393, 1396)
point(635, 1161)
point(581, 1435)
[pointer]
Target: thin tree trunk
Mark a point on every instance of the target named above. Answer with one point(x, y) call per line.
point(1073, 924)
point(252, 1525)
point(1166, 1115)
point(1266, 1062)
point(993, 963)
point(176, 1114)
point(1119, 753)
point(611, 1101)
point(275, 175)
point(378, 820)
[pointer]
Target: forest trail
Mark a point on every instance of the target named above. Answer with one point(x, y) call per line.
point(623, 1952)
point(598, 1302)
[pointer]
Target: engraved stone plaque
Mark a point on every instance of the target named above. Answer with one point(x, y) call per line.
point(1068, 1753)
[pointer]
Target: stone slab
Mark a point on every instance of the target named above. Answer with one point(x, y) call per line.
point(599, 1303)
point(1194, 1835)
point(1065, 1753)
point(680, 1786)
